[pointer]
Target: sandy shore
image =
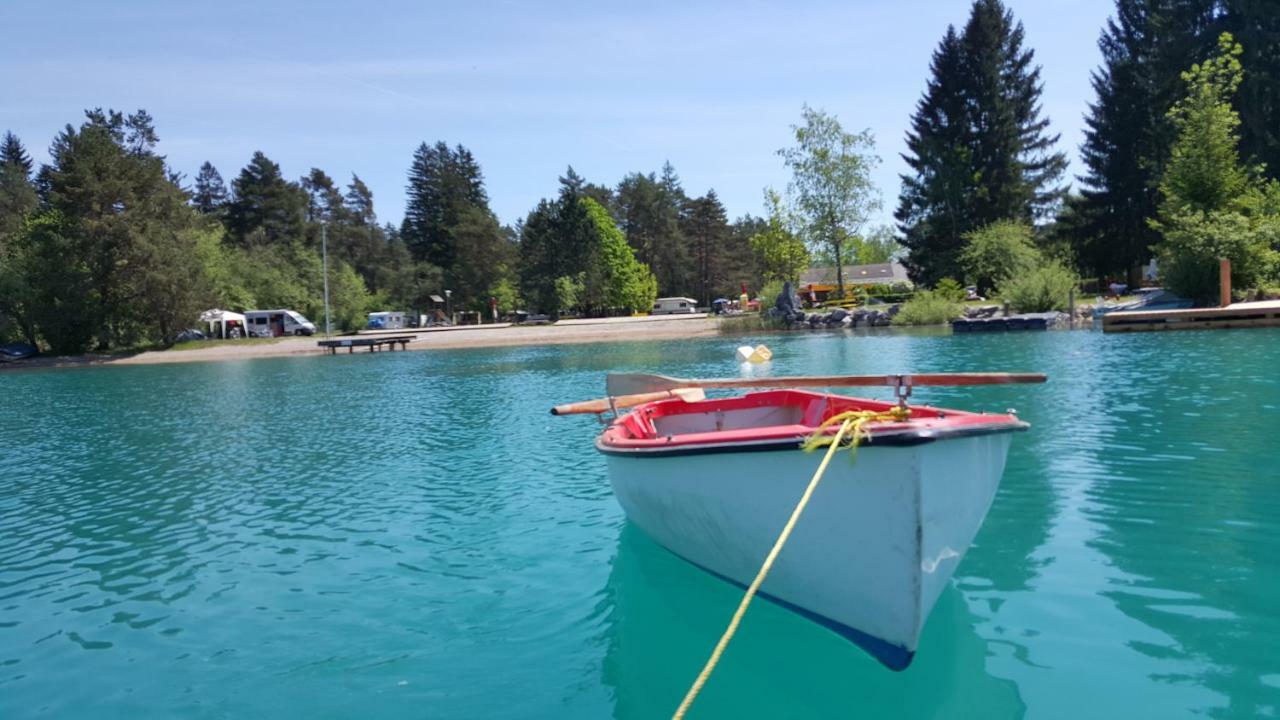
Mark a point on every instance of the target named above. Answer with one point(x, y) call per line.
point(565, 332)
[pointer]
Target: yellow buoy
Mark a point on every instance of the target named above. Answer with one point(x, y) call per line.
point(755, 356)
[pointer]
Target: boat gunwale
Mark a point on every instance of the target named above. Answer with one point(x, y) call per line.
point(941, 424)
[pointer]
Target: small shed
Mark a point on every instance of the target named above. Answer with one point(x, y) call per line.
point(224, 323)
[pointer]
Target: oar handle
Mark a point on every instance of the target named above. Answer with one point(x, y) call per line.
point(871, 380)
point(595, 407)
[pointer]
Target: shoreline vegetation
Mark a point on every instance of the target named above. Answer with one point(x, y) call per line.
point(108, 248)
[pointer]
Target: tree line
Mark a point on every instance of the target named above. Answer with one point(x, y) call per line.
point(107, 247)
point(1181, 150)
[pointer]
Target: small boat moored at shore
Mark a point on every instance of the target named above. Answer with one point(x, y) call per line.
point(715, 480)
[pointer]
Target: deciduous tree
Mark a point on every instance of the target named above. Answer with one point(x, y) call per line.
point(831, 182)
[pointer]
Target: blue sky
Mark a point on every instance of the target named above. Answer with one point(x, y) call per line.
point(531, 88)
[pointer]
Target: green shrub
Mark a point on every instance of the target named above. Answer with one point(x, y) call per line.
point(999, 251)
point(1193, 243)
point(892, 292)
point(769, 294)
point(1044, 289)
point(928, 308)
point(951, 290)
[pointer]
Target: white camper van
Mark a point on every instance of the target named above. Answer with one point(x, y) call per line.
point(277, 323)
point(674, 306)
point(386, 320)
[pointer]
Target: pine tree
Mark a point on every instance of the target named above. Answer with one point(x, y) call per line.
point(979, 148)
point(324, 200)
point(706, 228)
point(539, 261)
point(933, 210)
point(443, 183)
point(1121, 152)
point(556, 242)
point(1256, 25)
point(12, 153)
point(115, 251)
point(210, 193)
point(1145, 47)
point(648, 211)
point(359, 201)
point(17, 193)
point(266, 208)
point(671, 261)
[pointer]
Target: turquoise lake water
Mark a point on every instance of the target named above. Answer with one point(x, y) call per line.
point(411, 535)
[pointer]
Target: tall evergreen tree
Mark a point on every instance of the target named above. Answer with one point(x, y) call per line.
point(210, 192)
point(115, 249)
point(17, 193)
point(18, 200)
point(13, 153)
point(978, 147)
point(265, 208)
point(706, 228)
point(933, 210)
point(1127, 132)
point(443, 183)
point(556, 243)
point(359, 201)
point(648, 211)
point(324, 200)
point(1256, 25)
point(540, 262)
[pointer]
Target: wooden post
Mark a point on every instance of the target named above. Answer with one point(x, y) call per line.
point(1071, 307)
point(1224, 283)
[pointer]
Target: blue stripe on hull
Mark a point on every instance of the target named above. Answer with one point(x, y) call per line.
point(894, 657)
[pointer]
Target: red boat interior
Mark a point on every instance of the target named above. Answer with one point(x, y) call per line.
point(776, 415)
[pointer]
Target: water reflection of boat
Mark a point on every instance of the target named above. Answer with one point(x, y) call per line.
point(663, 615)
point(714, 481)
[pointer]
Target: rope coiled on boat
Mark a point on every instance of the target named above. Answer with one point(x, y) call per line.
point(851, 426)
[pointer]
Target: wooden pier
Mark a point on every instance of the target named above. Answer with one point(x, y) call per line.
point(373, 343)
point(1237, 315)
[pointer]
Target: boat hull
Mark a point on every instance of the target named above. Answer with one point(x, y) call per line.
point(877, 544)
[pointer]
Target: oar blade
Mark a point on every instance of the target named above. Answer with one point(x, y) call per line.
point(617, 384)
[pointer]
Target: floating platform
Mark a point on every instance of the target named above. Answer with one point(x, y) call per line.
point(373, 343)
point(1236, 315)
point(1027, 321)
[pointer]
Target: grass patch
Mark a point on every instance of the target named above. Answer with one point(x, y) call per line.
point(748, 322)
point(197, 344)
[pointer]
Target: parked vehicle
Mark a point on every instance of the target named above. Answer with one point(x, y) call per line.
point(674, 306)
point(277, 323)
point(17, 351)
point(386, 320)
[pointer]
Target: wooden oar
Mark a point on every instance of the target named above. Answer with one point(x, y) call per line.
point(632, 383)
point(595, 407)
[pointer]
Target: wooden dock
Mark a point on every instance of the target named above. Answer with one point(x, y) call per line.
point(373, 343)
point(1237, 315)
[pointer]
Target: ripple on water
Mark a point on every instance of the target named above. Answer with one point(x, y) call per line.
point(402, 534)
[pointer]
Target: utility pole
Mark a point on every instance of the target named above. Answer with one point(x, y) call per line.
point(324, 251)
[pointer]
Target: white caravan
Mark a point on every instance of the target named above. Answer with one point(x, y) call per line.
point(277, 323)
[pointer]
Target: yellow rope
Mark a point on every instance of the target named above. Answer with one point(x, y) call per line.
point(849, 421)
point(859, 418)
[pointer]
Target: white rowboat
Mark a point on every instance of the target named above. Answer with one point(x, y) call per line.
point(715, 481)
